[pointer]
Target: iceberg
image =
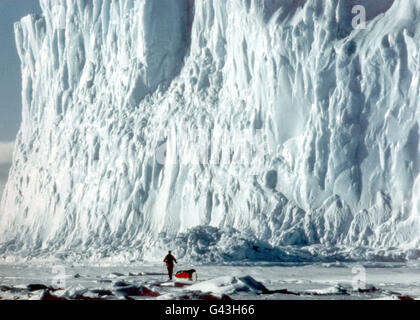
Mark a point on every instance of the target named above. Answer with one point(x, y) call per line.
point(142, 120)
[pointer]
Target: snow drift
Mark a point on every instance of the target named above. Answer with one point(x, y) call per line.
point(144, 119)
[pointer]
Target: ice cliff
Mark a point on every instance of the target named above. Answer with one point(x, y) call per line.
point(148, 120)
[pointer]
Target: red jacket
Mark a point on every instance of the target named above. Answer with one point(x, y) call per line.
point(169, 259)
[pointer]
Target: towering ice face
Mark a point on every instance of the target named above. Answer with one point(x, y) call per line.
point(143, 119)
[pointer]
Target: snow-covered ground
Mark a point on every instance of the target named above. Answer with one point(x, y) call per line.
point(242, 281)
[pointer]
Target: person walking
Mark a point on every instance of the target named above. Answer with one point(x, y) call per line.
point(170, 259)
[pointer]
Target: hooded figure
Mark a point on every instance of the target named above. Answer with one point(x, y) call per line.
point(169, 259)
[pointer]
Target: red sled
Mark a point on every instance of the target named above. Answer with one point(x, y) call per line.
point(186, 274)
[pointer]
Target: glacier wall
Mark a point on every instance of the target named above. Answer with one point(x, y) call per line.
point(143, 119)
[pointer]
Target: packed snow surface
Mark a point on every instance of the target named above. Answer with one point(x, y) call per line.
point(261, 125)
point(274, 281)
